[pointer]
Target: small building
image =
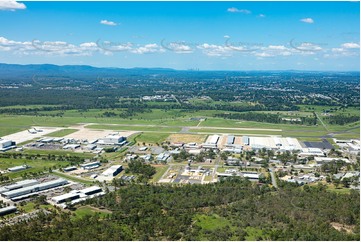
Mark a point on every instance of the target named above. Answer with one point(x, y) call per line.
point(144, 148)
point(18, 168)
point(163, 157)
point(91, 146)
point(70, 168)
point(71, 146)
point(7, 210)
point(90, 165)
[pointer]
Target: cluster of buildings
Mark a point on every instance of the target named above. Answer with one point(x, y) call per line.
point(352, 145)
point(252, 176)
point(27, 188)
point(95, 146)
point(76, 196)
point(237, 144)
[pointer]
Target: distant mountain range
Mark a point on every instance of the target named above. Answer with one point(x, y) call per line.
point(16, 71)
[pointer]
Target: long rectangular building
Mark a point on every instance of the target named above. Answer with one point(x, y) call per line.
point(34, 188)
point(7, 210)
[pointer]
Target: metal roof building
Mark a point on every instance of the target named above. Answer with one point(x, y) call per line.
point(65, 197)
point(113, 170)
point(91, 190)
point(90, 165)
point(213, 139)
point(245, 140)
point(34, 188)
point(21, 184)
point(7, 210)
point(230, 140)
point(18, 168)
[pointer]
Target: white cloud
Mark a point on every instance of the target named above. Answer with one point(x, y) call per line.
point(215, 50)
point(107, 22)
point(226, 36)
point(350, 46)
point(11, 5)
point(261, 15)
point(179, 48)
point(236, 10)
point(346, 49)
point(307, 20)
point(147, 49)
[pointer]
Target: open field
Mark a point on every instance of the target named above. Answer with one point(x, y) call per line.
point(152, 138)
point(88, 210)
point(136, 127)
point(36, 166)
point(160, 169)
point(73, 178)
point(186, 138)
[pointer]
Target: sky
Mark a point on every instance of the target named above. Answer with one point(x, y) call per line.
point(318, 36)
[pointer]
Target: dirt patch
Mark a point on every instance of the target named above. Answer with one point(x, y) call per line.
point(186, 138)
point(341, 227)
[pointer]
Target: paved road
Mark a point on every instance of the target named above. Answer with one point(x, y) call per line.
point(273, 177)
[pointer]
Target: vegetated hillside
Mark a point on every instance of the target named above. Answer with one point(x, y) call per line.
point(230, 210)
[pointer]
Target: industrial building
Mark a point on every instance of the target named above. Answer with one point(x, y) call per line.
point(114, 140)
point(245, 140)
point(70, 168)
point(311, 152)
point(113, 171)
point(230, 140)
point(77, 196)
point(17, 185)
point(7, 210)
point(90, 165)
point(211, 142)
point(34, 188)
point(163, 157)
point(6, 144)
point(18, 168)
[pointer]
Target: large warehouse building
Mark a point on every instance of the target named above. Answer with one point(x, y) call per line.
point(114, 140)
point(77, 196)
point(6, 144)
point(13, 194)
point(17, 185)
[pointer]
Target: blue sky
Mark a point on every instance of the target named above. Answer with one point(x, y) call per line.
point(183, 35)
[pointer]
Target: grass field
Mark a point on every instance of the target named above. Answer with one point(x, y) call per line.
point(186, 138)
point(36, 165)
point(88, 210)
point(135, 128)
point(211, 222)
point(160, 171)
point(73, 178)
point(235, 131)
point(62, 133)
point(152, 138)
point(55, 152)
